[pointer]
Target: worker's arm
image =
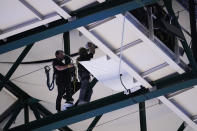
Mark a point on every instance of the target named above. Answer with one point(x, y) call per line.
point(61, 68)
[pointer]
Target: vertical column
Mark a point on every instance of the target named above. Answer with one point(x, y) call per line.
point(26, 113)
point(193, 27)
point(142, 111)
point(150, 23)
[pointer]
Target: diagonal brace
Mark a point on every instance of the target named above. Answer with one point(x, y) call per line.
point(15, 65)
point(94, 122)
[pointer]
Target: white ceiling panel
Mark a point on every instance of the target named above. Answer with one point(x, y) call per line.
point(13, 13)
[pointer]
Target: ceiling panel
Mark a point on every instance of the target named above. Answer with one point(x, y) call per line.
point(13, 13)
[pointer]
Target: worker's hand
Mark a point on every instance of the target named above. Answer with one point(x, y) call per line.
point(70, 66)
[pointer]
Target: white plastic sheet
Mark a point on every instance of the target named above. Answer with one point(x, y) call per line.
point(107, 72)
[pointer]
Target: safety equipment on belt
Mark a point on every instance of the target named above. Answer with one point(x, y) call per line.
point(47, 72)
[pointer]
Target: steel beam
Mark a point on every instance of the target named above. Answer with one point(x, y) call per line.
point(97, 23)
point(107, 104)
point(194, 118)
point(168, 4)
point(64, 2)
point(182, 127)
point(35, 111)
point(15, 65)
point(192, 12)
point(14, 89)
point(150, 23)
point(26, 113)
point(127, 46)
point(14, 115)
point(8, 111)
point(44, 112)
point(172, 95)
point(33, 10)
point(145, 73)
point(98, 12)
point(142, 113)
point(94, 122)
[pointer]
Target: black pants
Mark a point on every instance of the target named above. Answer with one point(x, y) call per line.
point(62, 88)
point(85, 90)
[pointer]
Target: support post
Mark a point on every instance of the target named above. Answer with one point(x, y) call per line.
point(15, 65)
point(26, 113)
point(94, 122)
point(182, 127)
point(142, 111)
point(66, 38)
point(150, 23)
point(193, 27)
point(35, 111)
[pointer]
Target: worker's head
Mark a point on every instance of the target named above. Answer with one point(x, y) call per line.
point(90, 44)
point(59, 54)
point(82, 52)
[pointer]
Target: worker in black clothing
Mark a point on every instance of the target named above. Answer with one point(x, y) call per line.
point(84, 74)
point(62, 79)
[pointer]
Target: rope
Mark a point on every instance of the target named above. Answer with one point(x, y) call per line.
point(122, 40)
point(49, 85)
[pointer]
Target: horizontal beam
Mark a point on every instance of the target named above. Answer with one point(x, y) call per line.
point(105, 105)
point(102, 11)
point(172, 95)
point(44, 112)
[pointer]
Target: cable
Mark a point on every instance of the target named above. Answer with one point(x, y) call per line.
point(28, 73)
point(47, 72)
point(123, 116)
point(122, 40)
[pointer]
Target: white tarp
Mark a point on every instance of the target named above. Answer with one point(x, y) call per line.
point(107, 72)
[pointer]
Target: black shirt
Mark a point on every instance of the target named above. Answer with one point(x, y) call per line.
point(60, 75)
point(81, 68)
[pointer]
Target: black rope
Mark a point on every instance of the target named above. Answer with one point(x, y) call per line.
point(49, 85)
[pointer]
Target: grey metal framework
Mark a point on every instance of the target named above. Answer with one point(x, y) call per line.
point(48, 121)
